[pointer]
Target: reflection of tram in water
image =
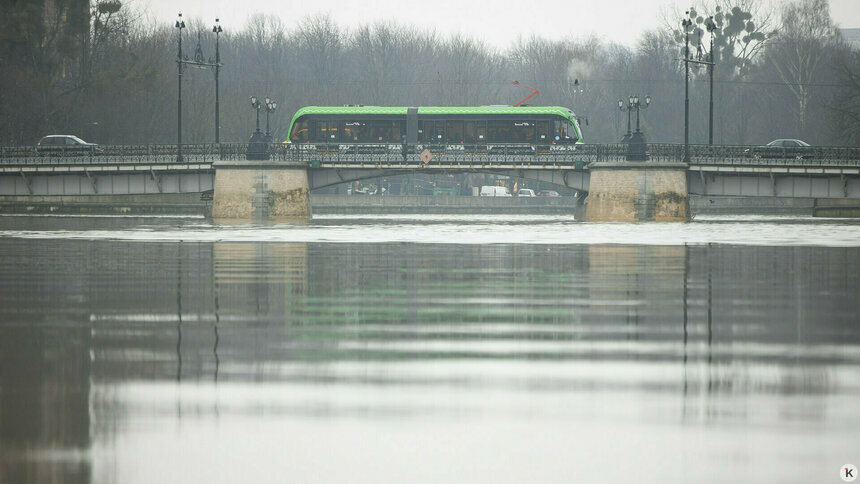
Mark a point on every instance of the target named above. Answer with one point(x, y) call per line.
point(481, 129)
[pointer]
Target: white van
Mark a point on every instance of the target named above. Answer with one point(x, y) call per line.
point(491, 191)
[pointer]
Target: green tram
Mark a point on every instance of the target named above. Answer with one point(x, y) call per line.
point(537, 128)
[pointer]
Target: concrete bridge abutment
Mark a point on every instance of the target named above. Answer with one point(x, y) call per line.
point(255, 190)
point(637, 192)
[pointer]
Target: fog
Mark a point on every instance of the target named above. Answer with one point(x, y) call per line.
point(110, 75)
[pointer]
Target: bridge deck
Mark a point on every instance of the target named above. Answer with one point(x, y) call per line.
point(717, 170)
point(546, 155)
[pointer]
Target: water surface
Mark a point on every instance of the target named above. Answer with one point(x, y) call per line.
point(428, 348)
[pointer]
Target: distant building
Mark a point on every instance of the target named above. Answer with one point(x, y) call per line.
point(851, 37)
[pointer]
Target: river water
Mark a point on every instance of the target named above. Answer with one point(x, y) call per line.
point(428, 348)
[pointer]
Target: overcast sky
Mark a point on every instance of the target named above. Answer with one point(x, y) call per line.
point(497, 22)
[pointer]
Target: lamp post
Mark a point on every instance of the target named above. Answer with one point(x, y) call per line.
point(711, 27)
point(636, 145)
point(199, 63)
point(270, 107)
point(687, 23)
point(217, 30)
point(180, 24)
point(626, 107)
point(258, 148)
point(257, 105)
point(639, 106)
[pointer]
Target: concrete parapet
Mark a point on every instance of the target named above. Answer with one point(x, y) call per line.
point(846, 207)
point(419, 204)
point(633, 192)
point(260, 190)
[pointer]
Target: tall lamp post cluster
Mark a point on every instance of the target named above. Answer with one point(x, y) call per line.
point(687, 24)
point(258, 145)
point(636, 146)
point(197, 61)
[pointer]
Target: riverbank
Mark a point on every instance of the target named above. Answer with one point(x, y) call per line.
point(193, 204)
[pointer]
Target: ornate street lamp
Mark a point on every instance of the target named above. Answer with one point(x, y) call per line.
point(258, 147)
point(270, 107)
point(256, 104)
point(180, 24)
point(198, 62)
point(626, 107)
point(687, 23)
point(639, 106)
point(711, 27)
point(636, 146)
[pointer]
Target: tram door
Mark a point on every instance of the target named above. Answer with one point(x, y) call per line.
point(411, 126)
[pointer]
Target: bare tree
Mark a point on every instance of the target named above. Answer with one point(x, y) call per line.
point(807, 33)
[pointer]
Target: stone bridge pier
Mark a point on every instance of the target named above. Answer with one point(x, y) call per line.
point(261, 189)
point(637, 192)
point(617, 191)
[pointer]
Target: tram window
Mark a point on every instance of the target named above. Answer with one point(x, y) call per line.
point(320, 131)
point(481, 131)
point(394, 132)
point(326, 131)
point(559, 131)
point(366, 133)
point(439, 132)
point(385, 131)
point(470, 134)
point(376, 130)
point(354, 131)
point(332, 130)
point(400, 131)
point(429, 130)
point(523, 132)
point(497, 131)
point(454, 130)
point(300, 132)
point(543, 131)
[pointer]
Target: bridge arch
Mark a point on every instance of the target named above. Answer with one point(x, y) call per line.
point(325, 177)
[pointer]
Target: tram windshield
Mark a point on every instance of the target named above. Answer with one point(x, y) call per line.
point(564, 132)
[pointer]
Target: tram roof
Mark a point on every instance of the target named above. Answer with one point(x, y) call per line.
point(401, 110)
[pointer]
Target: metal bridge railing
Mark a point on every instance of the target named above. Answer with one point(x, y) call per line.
point(459, 154)
point(123, 154)
point(765, 156)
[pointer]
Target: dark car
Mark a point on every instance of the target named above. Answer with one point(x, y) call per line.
point(65, 145)
point(782, 148)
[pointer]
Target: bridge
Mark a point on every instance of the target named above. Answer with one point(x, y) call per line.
point(829, 173)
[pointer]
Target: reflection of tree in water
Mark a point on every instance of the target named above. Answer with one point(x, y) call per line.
point(44, 402)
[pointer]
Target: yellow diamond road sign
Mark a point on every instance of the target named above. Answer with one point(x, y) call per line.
point(426, 156)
